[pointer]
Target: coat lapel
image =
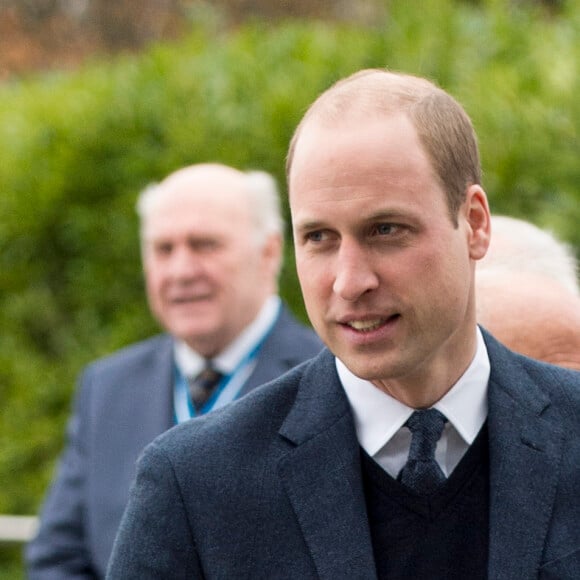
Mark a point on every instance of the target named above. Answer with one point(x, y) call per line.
point(525, 445)
point(131, 405)
point(152, 398)
point(321, 475)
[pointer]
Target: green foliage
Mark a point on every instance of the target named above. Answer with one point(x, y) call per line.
point(76, 148)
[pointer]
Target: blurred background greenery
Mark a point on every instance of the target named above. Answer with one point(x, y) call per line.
point(78, 143)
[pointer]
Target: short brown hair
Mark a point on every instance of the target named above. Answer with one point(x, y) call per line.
point(443, 126)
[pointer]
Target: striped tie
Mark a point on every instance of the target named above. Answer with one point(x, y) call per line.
point(202, 386)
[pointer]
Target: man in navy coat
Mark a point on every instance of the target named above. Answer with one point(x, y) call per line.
point(212, 249)
point(416, 446)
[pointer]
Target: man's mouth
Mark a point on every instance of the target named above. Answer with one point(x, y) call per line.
point(370, 324)
point(189, 299)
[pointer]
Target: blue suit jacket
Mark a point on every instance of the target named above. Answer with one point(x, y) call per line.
point(270, 487)
point(125, 401)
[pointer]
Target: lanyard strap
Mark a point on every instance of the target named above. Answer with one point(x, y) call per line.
point(227, 389)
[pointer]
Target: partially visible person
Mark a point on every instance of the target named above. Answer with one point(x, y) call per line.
point(416, 445)
point(212, 240)
point(520, 246)
point(528, 295)
point(532, 315)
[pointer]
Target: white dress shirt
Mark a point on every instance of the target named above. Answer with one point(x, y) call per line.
point(191, 363)
point(379, 418)
point(236, 363)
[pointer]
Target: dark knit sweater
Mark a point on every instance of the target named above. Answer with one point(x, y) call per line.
point(444, 536)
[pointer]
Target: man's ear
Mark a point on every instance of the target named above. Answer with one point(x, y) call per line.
point(478, 221)
point(272, 253)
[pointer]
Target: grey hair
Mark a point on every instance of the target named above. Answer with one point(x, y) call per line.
point(265, 204)
point(263, 197)
point(520, 246)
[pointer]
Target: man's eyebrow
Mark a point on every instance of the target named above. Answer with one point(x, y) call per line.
point(379, 215)
point(309, 225)
point(386, 215)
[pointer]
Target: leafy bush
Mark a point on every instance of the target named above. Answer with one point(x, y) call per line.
point(77, 147)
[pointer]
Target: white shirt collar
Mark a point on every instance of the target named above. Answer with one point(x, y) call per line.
point(190, 362)
point(378, 416)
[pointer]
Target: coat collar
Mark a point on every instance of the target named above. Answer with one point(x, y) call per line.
point(282, 350)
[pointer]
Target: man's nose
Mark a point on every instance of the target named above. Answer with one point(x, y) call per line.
point(355, 274)
point(185, 264)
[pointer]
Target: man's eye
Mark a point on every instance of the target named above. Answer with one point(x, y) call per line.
point(386, 229)
point(205, 245)
point(163, 249)
point(315, 236)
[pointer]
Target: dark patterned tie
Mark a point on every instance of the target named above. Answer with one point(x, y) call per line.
point(422, 473)
point(202, 386)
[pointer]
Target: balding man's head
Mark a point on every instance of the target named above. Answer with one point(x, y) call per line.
point(527, 292)
point(212, 249)
point(532, 315)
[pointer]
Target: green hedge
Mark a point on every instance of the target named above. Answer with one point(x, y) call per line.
point(75, 149)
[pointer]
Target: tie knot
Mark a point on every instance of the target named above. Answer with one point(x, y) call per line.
point(202, 386)
point(422, 472)
point(209, 374)
point(427, 422)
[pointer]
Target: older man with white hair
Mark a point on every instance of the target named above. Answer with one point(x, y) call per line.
point(212, 250)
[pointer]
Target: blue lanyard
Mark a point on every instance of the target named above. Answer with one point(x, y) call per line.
point(227, 390)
